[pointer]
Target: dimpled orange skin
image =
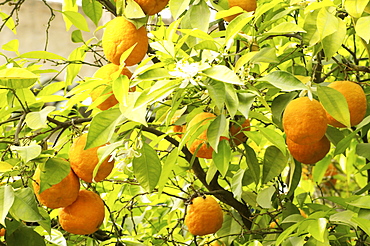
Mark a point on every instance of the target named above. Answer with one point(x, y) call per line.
point(119, 36)
point(204, 216)
point(59, 195)
point(247, 5)
point(356, 99)
point(151, 7)
point(304, 121)
point(84, 216)
point(204, 151)
point(83, 161)
point(2, 232)
point(105, 72)
point(309, 153)
point(237, 136)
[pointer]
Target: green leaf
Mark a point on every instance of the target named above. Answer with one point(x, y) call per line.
point(102, 127)
point(134, 112)
point(363, 224)
point(320, 169)
point(361, 28)
point(216, 90)
point(222, 157)
point(333, 42)
point(222, 73)
point(285, 27)
point(355, 7)
point(77, 55)
point(37, 120)
point(77, 36)
point(121, 87)
point(52, 172)
point(9, 23)
point(133, 10)
point(236, 26)
point(93, 10)
point(274, 163)
point(284, 81)
point(335, 104)
point(230, 226)
point(17, 78)
point(275, 138)
point(245, 103)
point(317, 229)
point(77, 19)
point(25, 206)
point(363, 149)
point(326, 23)
point(20, 234)
point(264, 197)
point(232, 100)
point(12, 45)
point(361, 202)
point(6, 201)
point(168, 166)
point(278, 106)
point(177, 7)
point(237, 183)
point(200, 9)
point(286, 233)
point(27, 153)
point(252, 162)
point(42, 55)
point(265, 55)
point(215, 130)
point(147, 167)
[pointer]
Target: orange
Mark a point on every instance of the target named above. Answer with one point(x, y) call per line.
point(204, 216)
point(236, 132)
point(199, 146)
point(356, 99)
point(83, 162)
point(179, 129)
point(59, 195)
point(120, 35)
point(304, 121)
point(105, 72)
point(309, 153)
point(247, 5)
point(2, 232)
point(85, 215)
point(151, 7)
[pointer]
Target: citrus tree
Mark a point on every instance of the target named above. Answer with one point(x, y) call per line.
point(237, 123)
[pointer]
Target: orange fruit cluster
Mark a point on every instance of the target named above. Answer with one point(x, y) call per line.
point(204, 216)
point(247, 5)
point(81, 211)
point(106, 73)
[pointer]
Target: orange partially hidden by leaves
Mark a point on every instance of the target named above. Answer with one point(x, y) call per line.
point(200, 146)
point(84, 216)
point(179, 129)
point(119, 36)
point(59, 195)
point(151, 7)
point(236, 132)
point(83, 162)
point(204, 216)
point(304, 121)
point(2, 232)
point(247, 5)
point(356, 99)
point(309, 153)
point(106, 72)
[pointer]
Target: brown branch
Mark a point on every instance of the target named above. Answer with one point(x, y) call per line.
point(108, 6)
point(219, 192)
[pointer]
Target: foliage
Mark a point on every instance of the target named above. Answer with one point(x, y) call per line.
point(249, 68)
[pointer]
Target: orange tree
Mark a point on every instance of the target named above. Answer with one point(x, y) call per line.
point(245, 70)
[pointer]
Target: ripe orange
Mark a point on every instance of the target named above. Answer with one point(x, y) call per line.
point(120, 35)
point(151, 7)
point(85, 215)
point(309, 153)
point(356, 99)
point(59, 195)
point(180, 129)
point(236, 132)
point(304, 121)
point(204, 216)
point(200, 146)
point(2, 232)
point(247, 5)
point(105, 72)
point(83, 161)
